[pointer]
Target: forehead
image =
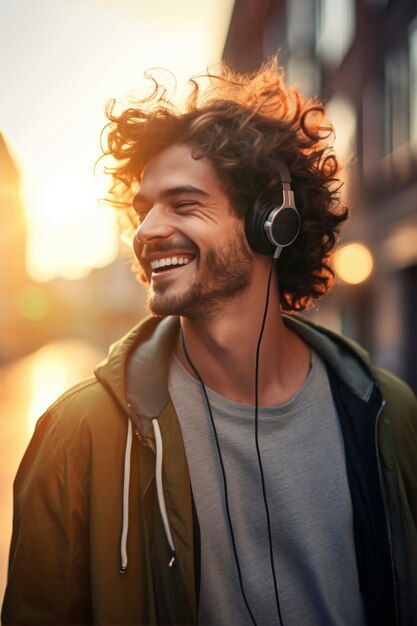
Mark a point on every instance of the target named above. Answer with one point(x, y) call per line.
point(175, 167)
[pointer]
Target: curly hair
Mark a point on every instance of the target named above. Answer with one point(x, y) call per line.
point(244, 124)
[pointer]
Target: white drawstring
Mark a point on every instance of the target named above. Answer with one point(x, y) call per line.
point(126, 482)
point(159, 491)
point(159, 487)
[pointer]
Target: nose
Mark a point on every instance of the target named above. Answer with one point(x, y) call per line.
point(155, 225)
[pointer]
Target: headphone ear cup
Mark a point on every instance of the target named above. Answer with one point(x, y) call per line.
point(282, 226)
point(255, 231)
point(268, 231)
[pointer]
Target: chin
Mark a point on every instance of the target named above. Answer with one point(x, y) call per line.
point(187, 306)
point(161, 306)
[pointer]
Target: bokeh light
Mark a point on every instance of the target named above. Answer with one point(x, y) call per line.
point(32, 303)
point(353, 263)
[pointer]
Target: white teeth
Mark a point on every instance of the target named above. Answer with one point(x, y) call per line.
point(169, 261)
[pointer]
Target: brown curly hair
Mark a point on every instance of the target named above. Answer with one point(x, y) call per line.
point(244, 124)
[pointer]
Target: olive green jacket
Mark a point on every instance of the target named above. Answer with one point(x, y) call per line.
point(65, 558)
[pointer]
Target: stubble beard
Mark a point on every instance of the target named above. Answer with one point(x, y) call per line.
point(221, 276)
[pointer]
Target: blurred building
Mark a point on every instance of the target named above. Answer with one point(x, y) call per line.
point(12, 245)
point(360, 56)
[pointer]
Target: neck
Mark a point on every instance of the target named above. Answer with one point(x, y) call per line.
point(223, 350)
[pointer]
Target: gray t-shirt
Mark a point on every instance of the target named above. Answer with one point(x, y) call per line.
point(308, 498)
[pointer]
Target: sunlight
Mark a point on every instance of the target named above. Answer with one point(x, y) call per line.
point(54, 369)
point(67, 226)
point(82, 54)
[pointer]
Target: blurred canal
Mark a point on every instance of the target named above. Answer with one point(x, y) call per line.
point(27, 387)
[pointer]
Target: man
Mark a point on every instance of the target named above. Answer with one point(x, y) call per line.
point(229, 463)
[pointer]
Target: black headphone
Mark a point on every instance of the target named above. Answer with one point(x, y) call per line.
point(268, 231)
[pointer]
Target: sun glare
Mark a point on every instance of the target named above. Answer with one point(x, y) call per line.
point(53, 369)
point(82, 54)
point(68, 227)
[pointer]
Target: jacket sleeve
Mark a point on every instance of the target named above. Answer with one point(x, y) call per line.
point(48, 579)
point(404, 428)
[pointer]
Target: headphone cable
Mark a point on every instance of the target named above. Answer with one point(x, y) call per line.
point(258, 452)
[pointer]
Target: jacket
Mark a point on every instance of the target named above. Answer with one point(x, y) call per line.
point(101, 535)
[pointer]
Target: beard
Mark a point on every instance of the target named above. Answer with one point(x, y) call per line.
point(219, 276)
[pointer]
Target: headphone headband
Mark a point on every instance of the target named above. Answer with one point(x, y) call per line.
point(284, 173)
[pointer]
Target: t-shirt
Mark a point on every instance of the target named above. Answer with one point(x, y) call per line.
point(308, 498)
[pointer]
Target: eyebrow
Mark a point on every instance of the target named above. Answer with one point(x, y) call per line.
point(141, 198)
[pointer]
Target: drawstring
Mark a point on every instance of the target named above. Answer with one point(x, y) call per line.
point(126, 482)
point(159, 490)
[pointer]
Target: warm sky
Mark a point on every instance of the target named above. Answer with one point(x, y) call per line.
point(61, 60)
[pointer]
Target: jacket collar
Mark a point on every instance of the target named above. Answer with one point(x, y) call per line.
point(141, 360)
point(348, 360)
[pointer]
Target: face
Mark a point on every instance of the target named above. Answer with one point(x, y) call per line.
point(194, 249)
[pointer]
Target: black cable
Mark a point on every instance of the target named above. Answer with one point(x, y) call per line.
point(226, 497)
point(258, 452)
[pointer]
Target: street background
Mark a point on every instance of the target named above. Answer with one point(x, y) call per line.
point(66, 288)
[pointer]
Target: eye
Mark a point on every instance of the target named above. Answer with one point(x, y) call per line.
point(184, 204)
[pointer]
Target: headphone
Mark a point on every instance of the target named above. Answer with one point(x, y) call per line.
point(268, 231)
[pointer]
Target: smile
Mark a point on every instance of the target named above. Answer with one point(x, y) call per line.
point(159, 264)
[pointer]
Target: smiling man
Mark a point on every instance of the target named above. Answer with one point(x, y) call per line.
point(230, 462)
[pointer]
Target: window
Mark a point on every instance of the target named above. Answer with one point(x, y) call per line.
point(413, 84)
point(397, 94)
point(343, 115)
point(335, 29)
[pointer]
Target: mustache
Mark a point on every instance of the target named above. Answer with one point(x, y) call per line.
point(167, 246)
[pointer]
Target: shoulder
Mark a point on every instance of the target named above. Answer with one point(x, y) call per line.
point(84, 425)
point(396, 393)
point(84, 402)
point(84, 409)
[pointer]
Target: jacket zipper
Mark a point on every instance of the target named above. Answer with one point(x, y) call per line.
point(387, 519)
